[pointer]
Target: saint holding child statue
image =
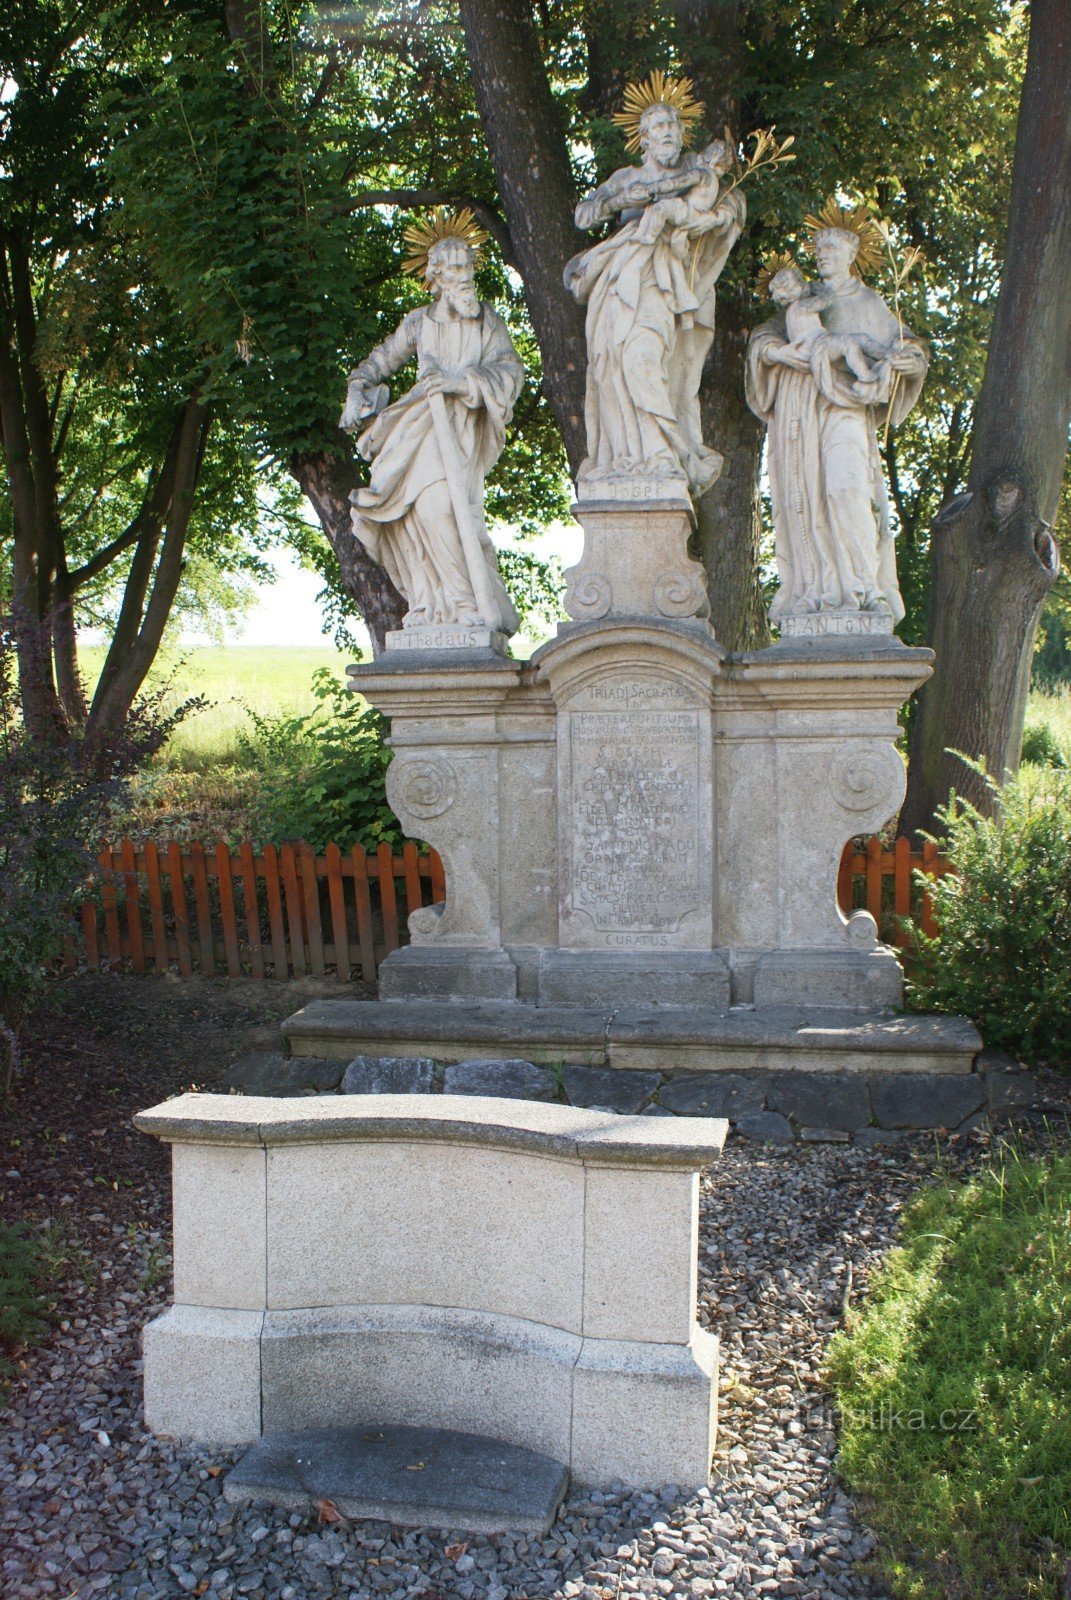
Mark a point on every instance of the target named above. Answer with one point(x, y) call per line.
point(834, 366)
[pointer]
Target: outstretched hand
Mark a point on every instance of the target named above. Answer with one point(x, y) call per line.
point(442, 383)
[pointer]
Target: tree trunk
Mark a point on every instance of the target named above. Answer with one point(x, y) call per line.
point(327, 478)
point(993, 559)
point(531, 163)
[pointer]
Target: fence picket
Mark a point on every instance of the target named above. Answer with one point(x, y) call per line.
point(873, 879)
point(109, 900)
point(132, 901)
point(363, 899)
point(902, 889)
point(930, 866)
point(156, 907)
point(387, 897)
point(205, 937)
point(411, 861)
point(177, 880)
point(294, 919)
point(438, 879)
point(311, 902)
point(89, 933)
point(273, 892)
point(844, 879)
point(228, 915)
point(252, 909)
point(337, 902)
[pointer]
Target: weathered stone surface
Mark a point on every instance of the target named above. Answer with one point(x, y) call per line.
point(869, 1137)
point(821, 1100)
point(597, 977)
point(925, 1102)
point(510, 1080)
point(412, 1477)
point(769, 1126)
point(389, 1075)
point(870, 980)
point(270, 1072)
point(1005, 1090)
point(603, 1087)
point(714, 1094)
point(824, 1135)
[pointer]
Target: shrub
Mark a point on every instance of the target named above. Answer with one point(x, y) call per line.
point(1042, 747)
point(322, 776)
point(56, 795)
point(1002, 955)
point(22, 1305)
point(952, 1389)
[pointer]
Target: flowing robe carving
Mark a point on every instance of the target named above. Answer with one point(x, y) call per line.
point(650, 324)
point(404, 517)
point(833, 542)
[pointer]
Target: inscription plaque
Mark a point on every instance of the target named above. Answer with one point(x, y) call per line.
point(634, 804)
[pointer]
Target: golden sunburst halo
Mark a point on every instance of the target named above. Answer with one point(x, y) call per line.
point(768, 271)
point(441, 223)
point(658, 90)
point(850, 219)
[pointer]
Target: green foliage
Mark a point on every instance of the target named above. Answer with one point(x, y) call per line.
point(1042, 746)
point(1002, 955)
point(952, 1388)
point(322, 775)
point(23, 1306)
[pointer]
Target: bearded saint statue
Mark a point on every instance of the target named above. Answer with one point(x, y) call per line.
point(825, 375)
point(421, 516)
point(649, 292)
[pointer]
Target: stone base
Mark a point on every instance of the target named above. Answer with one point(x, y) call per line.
point(431, 972)
point(847, 623)
point(870, 980)
point(672, 1039)
point(411, 1477)
point(616, 978)
point(448, 636)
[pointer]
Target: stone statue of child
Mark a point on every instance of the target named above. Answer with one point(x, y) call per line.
point(803, 303)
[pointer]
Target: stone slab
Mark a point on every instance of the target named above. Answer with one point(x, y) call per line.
point(389, 1075)
point(418, 972)
point(821, 1100)
point(270, 1072)
point(1006, 1090)
point(675, 978)
point(411, 1477)
point(835, 624)
point(768, 1126)
point(869, 981)
point(926, 1102)
point(507, 1079)
point(714, 1094)
point(627, 1092)
point(674, 1039)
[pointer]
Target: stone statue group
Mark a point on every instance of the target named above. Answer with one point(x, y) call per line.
point(825, 374)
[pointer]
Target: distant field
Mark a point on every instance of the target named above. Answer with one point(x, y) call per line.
point(1054, 708)
point(236, 679)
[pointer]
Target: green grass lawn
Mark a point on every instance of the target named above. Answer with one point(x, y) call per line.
point(954, 1386)
point(1051, 709)
point(236, 679)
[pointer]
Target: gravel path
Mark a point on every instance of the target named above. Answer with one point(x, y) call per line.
point(92, 1505)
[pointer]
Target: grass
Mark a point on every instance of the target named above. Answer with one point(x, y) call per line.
point(236, 679)
point(953, 1387)
point(1050, 709)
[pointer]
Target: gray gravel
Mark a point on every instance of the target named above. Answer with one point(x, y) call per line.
point(94, 1505)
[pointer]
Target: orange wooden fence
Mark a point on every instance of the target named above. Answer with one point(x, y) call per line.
point(882, 882)
point(285, 911)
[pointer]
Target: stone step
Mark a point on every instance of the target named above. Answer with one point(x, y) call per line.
point(412, 1477)
point(678, 1038)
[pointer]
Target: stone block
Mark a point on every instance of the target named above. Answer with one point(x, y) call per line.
point(645, 1414)
point(202, 1375)
point(508, 1080)
point(678, 978)
point(1006, 1090)
point(218, 1199)
point(623, 1091)
point(389, 1075)
point(507, 1228)
point(422, 972)
point(500, 1377)
point(270, 1072)
point(768, 1126)
point(820, 1099)
point(641, 1233)
point(411, 1477)
point(869, 980)
point(824, 1135)
point(714, 1094)
point(869, 1138)
point(926, 1102)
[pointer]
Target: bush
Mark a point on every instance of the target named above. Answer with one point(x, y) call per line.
point(1042, 747)
point(1002, 955)
point(321, 777)
point(22, 1305)
point(952, 1388)
point(56, 795)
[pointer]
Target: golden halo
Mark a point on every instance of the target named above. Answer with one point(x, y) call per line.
point(658, 90)
point(769, 270)
point(850, 219)
point(441, 223)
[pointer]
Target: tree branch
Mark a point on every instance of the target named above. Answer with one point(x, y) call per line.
point(413, 199)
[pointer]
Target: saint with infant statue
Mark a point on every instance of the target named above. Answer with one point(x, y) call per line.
point(649, 292)
point(831, 368)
